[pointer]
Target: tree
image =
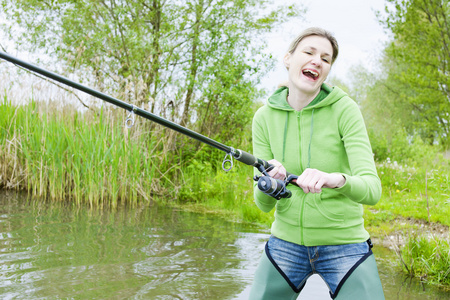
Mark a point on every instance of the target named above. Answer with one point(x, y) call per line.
point(192, 61)
point(416, 66)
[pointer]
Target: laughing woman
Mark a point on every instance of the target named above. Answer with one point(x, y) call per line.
point(316, 131)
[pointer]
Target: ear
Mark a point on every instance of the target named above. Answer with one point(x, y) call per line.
point(287, 60)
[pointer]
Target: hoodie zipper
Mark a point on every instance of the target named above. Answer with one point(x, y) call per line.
point(299, 121)
point(300, 117)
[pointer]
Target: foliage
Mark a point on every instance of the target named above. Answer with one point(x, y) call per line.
point(190, 61)
point(231, 193)
point(400, 147)
point(389, 123)
point(414, 90)
point(91, 160)
point(427, 258)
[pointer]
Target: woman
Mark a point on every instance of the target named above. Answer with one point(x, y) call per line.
point(316, 131)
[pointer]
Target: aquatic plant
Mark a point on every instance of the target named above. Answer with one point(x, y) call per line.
point(85, 158)
point(427, 258)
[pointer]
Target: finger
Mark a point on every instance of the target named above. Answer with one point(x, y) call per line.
point(279, 175)
point(274, 162)
point(319, 183)
point(317, 187)
point(282, 172)
point(273, 171)
point(278, 171)
point(310, 181)
point(301, 182)
point(306, 181)
point(316, 183)
point(303, 186)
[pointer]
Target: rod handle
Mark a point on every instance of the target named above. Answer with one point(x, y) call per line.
point(251, 160)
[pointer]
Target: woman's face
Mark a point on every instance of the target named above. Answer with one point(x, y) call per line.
point(310, 64)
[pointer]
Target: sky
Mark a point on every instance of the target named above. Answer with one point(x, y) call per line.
point(354, 24)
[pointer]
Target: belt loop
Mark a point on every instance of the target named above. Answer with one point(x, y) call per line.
point(369, 242)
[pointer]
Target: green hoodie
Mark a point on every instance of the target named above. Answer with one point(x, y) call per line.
point(328, 135)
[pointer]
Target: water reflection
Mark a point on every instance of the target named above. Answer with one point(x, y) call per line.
point(50, 251)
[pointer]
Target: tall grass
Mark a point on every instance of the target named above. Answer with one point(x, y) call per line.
point(66, 155)
point(427, 258)
point(93, 158)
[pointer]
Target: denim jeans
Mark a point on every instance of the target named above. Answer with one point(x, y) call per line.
point(299, 262)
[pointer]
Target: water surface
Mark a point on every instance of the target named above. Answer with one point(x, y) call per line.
point(58, 251)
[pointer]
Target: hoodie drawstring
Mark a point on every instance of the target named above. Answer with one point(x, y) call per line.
point(285, 135)
point(310, 139)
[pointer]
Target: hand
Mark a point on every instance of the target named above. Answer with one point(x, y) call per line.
point(278, 172)
point(313, 180)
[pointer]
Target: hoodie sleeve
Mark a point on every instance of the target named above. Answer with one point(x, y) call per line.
point(363, 184)
point(261, 149)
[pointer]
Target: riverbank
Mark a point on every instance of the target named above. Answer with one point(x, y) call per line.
point(92, 160)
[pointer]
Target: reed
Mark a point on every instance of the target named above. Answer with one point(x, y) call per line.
point(85, 158)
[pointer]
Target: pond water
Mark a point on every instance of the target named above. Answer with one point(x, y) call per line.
point(58, 251)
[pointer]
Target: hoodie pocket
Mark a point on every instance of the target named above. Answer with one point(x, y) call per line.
point(283, 204)
point(288, 211)
point(322, 214)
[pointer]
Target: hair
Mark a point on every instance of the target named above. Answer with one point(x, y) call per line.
point(319, 32)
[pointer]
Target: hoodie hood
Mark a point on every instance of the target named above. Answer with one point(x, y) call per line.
point(327, 96)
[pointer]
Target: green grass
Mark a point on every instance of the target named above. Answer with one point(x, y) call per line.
point(230, 193)
point(406, 189)
point(405, 212)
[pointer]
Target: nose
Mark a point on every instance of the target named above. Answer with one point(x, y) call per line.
point(316, 60)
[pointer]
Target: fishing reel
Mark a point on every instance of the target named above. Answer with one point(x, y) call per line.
point(275, 188)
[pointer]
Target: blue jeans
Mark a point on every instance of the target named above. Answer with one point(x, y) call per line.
point(299, 262)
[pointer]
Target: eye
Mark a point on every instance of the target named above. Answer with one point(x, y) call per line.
point(325, 59)
point(308, 52)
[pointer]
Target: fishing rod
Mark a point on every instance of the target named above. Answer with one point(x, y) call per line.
point(270, 186)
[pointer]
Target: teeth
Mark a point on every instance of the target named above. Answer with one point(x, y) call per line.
point(315, 74)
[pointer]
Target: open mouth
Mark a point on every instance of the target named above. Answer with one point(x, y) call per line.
point(310, 73)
